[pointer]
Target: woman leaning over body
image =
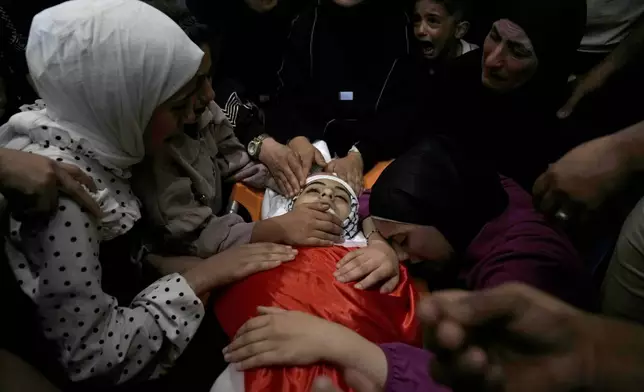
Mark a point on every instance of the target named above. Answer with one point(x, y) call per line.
point(114, 89)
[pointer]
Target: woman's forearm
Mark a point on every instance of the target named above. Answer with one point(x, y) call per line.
point(171, 265)
point(628, 51)
point(348, 350)
point(267, 231)
point(196, 271)
point(630, 142)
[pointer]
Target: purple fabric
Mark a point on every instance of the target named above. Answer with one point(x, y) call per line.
point(409, 369)
point(520, 246)
point(363, 208)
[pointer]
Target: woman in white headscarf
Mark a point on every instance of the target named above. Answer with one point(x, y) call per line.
point(115, 88)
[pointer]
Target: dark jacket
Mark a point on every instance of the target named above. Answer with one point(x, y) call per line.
point(252, 43)
point(332, 51)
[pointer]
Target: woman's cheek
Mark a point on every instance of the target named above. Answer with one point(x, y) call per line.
point(162, 125)
point(522, 69)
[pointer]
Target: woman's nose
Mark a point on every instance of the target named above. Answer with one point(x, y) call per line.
point(207, 92)
point(496, 57)
point(189, 116)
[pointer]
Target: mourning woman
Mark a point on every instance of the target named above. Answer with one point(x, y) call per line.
point(459, 224)
point(512, 87)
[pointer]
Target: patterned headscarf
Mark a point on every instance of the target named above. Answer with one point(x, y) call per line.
point(350, 225)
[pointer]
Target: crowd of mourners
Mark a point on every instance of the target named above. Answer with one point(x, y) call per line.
point(501, 247)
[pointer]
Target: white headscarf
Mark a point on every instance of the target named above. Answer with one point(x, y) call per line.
point(102, 67)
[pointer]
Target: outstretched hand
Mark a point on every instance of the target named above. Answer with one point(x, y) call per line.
point(583, 180)
point(308, 155)
point(350, 169)
point(235, 264)
point(280, 337)
point(285, 166)
point(583, 86)
point(377, 263)
point(511, 338)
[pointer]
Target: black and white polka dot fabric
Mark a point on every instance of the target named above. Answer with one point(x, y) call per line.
point(99, 106)
point(58, 268)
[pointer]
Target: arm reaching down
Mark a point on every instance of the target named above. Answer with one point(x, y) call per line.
point(290, 338)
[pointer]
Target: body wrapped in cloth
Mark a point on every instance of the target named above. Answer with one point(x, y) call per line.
point(307, 284)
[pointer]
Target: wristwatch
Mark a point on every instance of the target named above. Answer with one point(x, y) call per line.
point(255, 146)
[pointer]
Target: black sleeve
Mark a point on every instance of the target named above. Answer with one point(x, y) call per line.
point(397, 124)
point(297, 111)
point(244, 115)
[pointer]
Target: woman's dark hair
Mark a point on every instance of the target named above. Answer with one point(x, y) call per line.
point(438, 184)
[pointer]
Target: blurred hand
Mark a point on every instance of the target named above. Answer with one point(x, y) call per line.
point(582, 87)
point(581, 181)
point(350, 169)
point(242, 261)
point(31, 184)
point(377, 263)
point(308, 155)
point(512, 338)
point(282, 338)
point(284, 165)
point(310, 225)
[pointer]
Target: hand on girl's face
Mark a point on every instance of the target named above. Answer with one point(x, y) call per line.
point(281, 338)
point(310, 225)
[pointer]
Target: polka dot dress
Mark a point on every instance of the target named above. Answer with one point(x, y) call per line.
point(58, 267)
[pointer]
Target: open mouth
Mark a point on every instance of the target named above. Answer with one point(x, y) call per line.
point(429, 50)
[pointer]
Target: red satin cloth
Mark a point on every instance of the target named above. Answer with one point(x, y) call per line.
point(307, 284)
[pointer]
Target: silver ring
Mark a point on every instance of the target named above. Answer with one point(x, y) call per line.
point(562, 216)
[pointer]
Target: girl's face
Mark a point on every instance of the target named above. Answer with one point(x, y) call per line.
point(169, 118)
point(328, 192)
point(416, 243)
point(509, 59)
